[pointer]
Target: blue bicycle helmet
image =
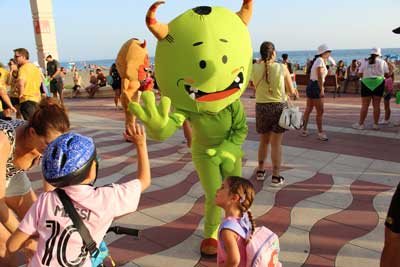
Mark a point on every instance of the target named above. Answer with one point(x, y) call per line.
point(67, 160)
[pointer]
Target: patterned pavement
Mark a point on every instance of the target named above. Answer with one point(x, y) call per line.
point(330, 212)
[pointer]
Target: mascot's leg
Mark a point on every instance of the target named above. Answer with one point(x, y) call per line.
point(129, 93)
point(210, 178)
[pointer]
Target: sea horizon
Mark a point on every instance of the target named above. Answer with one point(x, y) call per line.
point(295, 56)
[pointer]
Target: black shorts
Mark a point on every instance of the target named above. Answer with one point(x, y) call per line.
point(313, 91)
point(28, 108)
point(116, 84)
point(388, 96)
point(76, 87)
point(393, 216)
point(14, 101)
point(365, 91)
point(56, 85)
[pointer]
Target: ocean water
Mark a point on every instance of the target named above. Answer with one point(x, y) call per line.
point(299, 57)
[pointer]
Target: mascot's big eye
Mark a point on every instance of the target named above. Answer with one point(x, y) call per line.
point(203, 64)
point(224, 59)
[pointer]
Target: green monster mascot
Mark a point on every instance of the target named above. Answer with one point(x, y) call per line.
point(203, 64)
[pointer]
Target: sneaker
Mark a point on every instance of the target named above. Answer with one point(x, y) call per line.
point(383, 122)
point(375, 126)
point(322, 137)
point(277, 181)
point(390, 124)
point(304, 133)
point(358, 126)
point(260, 175)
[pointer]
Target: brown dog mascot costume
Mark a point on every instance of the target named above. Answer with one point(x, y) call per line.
point(132, 64)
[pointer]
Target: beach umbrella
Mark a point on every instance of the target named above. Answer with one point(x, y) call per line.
point(395, 57)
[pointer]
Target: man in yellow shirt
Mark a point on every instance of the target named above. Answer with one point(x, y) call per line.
point(5, 102)
point(28, 83)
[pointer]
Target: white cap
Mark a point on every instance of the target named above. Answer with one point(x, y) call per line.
point(376, 51)
point(322, 49)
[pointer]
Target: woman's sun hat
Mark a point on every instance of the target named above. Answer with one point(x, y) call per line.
point(376, 51)
point(322, 49)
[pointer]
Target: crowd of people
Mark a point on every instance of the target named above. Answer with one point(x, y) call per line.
point(69, 160)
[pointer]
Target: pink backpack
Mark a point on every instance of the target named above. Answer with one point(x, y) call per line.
point(263, 248)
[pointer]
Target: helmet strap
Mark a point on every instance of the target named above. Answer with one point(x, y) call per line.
point(97, 171)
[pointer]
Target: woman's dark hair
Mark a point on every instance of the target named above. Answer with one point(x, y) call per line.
point(267, 50)
point(372, 59)
point(311, 64)
point(49, 116)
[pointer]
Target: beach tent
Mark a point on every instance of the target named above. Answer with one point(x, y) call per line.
point(392, 57)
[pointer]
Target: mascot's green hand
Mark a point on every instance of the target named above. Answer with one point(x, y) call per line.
point(153, 116)
point(225, 155)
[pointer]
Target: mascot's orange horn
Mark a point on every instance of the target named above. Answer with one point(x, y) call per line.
point(159, 30)
point(246, 11)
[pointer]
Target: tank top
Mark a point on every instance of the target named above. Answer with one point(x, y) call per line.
point(353, 72)
point(8, 128)
point(268, 92)
point(241, 242)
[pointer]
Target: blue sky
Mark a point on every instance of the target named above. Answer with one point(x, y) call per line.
point(95, 29)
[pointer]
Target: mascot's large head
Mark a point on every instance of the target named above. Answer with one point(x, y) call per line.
point(204, 56)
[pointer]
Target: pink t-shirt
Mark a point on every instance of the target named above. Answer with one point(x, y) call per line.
point(241, 242)
point(59, 242)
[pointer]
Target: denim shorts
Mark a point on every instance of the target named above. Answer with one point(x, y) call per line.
point(313, 91)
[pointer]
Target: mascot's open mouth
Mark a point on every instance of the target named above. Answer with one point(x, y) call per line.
point(201, 96)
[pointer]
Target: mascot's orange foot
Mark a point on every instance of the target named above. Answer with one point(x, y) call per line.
point(209, 247)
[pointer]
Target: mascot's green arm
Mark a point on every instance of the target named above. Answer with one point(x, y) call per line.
point(239, 127)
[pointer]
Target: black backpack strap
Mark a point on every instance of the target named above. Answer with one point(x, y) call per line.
point(90, 244)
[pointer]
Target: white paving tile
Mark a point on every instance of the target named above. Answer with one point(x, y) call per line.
point(353, 161)
point(345, 171)
point(294, 246)
point(351, 255)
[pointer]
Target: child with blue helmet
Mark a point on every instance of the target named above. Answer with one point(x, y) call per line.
point(70, 163)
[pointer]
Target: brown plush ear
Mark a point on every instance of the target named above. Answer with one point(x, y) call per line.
point(143, 45)
point(159, 30)
point(246, 11)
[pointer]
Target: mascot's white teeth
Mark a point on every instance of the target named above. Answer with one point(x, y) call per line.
point(195, 93)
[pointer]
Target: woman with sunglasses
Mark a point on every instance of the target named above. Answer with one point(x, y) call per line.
point(21, 146)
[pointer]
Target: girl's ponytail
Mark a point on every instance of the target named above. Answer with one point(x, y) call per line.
point(253, 225)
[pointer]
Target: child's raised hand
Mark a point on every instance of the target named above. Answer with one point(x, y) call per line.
point(137, 135)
